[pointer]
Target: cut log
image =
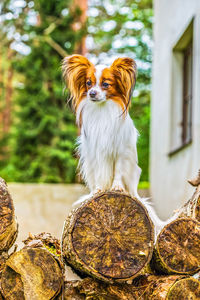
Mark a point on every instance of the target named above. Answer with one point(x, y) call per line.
point(109, 237)
point(184, 289)
point(8, 224)
point(100, 290)
point(146, 288)
point(31, 273)
point(155, 287)
point(177, 249)
point(168, 287)
point(90, 288)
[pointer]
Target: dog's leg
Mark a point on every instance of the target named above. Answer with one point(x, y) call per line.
point(103, 174)
point(117, 184)
point(131, 176)
point(135, 180)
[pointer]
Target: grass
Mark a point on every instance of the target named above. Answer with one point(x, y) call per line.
point(144, 185)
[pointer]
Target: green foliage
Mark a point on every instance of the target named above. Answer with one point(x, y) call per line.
point(42, 141)
point(124, 27)
point(41, 144)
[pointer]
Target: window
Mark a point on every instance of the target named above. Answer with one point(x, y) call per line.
point(181, 104)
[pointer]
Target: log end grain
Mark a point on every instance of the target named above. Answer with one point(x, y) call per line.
point(109, 237)
point(31, 273)
point(184, 289)
point(177, 248)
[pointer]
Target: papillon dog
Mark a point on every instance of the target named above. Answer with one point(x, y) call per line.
point(101, 96)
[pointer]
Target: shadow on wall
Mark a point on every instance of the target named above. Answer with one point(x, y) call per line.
point(44, 207)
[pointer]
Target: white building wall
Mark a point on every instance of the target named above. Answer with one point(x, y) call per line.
point(168, 175)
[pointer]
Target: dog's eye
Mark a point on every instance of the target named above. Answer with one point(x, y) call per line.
point(105, 84)
point(89, 83)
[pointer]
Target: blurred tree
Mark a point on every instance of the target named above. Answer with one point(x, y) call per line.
point(6, 91)
point(41, 145)
point(124, 27)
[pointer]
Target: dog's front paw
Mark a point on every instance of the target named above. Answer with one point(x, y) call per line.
point(118, 188)
point(97, 191)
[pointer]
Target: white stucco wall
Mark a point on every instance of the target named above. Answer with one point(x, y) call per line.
point(168, 175)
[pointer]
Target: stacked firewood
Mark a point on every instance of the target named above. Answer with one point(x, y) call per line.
point(109, 243)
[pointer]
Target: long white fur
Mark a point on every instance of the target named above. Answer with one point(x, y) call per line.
point(107, 148)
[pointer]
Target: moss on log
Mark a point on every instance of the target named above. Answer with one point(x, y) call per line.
point(109, 237)
point(31, 273)
point(8, 224)
point(44, 240)
point(177, 248)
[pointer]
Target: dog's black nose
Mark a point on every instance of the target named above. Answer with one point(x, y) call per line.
point(93, 94)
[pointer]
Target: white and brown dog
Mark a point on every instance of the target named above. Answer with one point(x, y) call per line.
point(101, 97)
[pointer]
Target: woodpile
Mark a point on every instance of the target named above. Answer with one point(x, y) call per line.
point(109, 242)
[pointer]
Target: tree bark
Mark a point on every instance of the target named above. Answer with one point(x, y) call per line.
point(177, 249)
point(31, 273)
point(109, 237)
point(192, 207)
point(8, 224)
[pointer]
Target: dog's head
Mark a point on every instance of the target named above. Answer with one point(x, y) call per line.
point(100, 83)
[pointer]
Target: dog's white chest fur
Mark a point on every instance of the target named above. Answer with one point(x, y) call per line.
point(107, 147)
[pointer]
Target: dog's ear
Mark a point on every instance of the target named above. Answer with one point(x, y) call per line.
point(74, 70)
point(124, 70)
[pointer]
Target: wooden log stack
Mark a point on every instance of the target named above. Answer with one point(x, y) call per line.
point(109, 242)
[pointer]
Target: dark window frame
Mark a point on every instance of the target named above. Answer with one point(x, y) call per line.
point(187, 95)
point(185, 47)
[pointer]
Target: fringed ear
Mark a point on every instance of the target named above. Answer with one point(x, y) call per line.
point(124, 70)
point(74, 70)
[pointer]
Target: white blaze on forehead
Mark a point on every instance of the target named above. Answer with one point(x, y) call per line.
point(100, 94)
point(98, 73)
